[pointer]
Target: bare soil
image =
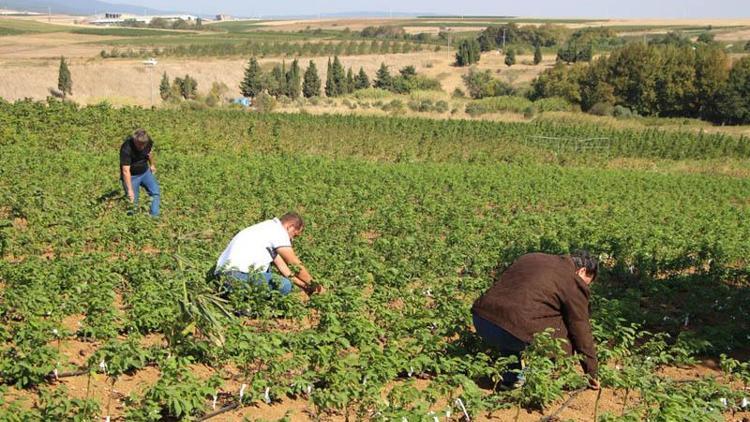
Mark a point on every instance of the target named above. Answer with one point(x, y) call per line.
point(99, 387)
point(112, 395)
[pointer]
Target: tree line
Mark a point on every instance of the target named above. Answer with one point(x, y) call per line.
point(271, 48)
point(656, 80)
point(339, 81)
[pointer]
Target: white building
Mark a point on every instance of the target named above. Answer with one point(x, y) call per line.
point(118, 18)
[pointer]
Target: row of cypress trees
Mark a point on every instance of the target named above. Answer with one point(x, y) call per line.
point(293, 85)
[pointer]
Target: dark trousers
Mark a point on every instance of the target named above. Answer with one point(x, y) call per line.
point(506, 343)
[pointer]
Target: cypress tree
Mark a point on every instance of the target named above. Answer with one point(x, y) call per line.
point(278, 76)
point(468, 53)
point(349, 81)
point(361, 81)
point(330, 82)
point(252, 83)
point(339, 76)
point(538, 54)
point(164, 87)
point(383, 78)
point(293, 81)
point(64, 81)
point(188, 87)
point(510, 57)
point(311, 86)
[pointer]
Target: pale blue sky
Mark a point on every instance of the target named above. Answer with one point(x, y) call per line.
point(536, 8)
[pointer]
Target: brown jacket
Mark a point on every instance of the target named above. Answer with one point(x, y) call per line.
point(541, 291)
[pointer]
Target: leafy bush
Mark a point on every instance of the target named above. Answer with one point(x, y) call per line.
point(622, 112)
point(371, 94)
point(498, 105)
point(422, 106)
point(265, 103)
point(394, 106)
point(552, 104)
point(441, 106)
point(481, 84)
point(529, 112)
point(602, 109)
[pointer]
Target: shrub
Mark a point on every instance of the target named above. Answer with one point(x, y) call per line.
point(552, 104)
point(426, 95)
point(422, 106)
point(481, 84)
point(602, 109)
point(458, 93)
point(371, 94)
point(441, 106)
point(622, 112)
point(497, 105)
point(265, 103)
point(394, 106)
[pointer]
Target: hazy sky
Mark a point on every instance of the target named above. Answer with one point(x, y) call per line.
point(541, 8)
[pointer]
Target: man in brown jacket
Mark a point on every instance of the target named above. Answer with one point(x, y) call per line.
point(540, 291)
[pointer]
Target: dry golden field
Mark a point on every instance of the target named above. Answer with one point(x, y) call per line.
point(29, 65)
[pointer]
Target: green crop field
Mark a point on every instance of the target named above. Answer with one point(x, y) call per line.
point(128, 32)
point(408, 221)
point(13, 26)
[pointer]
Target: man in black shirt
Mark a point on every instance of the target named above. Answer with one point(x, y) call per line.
point(137, 168)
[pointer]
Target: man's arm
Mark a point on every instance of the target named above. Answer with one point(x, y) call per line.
point(287, 257)
point(152, 161)
point(575, 312)
point(128, 182)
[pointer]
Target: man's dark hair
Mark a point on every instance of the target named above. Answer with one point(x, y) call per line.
point(140, 136)
point(294, 218)
point(583, 259)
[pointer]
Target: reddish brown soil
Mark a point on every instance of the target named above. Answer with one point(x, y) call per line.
point(112, 396)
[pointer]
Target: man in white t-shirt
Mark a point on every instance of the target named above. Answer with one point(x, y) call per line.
point(252, 250)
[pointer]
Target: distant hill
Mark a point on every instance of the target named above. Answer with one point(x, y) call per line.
point(360, 14)
point(78, 7)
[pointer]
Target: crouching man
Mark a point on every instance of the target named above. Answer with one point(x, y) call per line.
point(249, 255)
point(540, 291)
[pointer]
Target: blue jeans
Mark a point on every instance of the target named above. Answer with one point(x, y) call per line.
point(282, 284)
point(148, 181)
point(506, 343)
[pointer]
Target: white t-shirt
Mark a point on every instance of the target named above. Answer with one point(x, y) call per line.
point(254, 248)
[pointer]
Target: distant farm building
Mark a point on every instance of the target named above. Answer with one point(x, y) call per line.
point(119, 18)
point(221, 17)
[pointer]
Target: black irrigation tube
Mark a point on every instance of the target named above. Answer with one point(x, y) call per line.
point(219, 411)
point(68, 374)
point(553, 416)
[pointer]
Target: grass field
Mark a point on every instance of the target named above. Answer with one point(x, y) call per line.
point(127, 32)
point(13, 26)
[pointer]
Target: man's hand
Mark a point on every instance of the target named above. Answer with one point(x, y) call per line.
point(153, 169)
point(131, 196)
point(314, 288)
point(594, 384)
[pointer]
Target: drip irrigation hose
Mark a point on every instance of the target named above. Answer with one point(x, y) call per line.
point(219, 411)
point(553, 416)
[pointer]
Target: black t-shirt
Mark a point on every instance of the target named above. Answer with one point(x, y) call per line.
point(131, 156)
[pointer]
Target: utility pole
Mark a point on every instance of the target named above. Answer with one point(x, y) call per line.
point(151, 84)
point(503, 39)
